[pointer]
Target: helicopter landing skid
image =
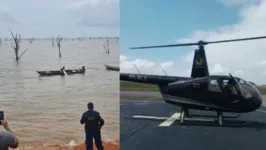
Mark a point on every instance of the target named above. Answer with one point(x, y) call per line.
point(209, 116)
point(226, 123)
point(184, 116)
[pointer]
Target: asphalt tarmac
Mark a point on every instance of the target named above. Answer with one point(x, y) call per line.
point(152, 125)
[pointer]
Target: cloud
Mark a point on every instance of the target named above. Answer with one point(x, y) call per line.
point(245, 59)
point(5, 15)
point(139, 63)
point(69, 18)
point(167, 64)
point(150, 67)
point(96, 12)
point(4, 8)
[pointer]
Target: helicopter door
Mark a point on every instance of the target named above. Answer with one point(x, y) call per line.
point(214, 92)
point(228, 87)
point(238, 87)
point(230, 91)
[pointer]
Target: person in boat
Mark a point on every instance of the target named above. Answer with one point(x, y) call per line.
point(83, 68)
point(7, 138)
point(93, 124)
point(62, 69)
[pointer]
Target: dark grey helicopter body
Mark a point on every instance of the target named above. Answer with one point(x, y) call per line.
point(202, 91)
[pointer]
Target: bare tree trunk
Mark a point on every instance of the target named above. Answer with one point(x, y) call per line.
point(106, 48)
point(31, 40)
point(59, 40)
point(16, 54)
point(16, 45)
point(108, 45)
point(59, 51)
point(52, 41)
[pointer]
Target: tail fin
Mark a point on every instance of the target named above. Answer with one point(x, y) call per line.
point(200, 66)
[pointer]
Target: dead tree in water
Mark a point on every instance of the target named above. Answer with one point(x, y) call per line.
point(106, 48)
point(31, 40)
point(58, 41)
point(1, 42)
point(52, 41)
point(16, 45)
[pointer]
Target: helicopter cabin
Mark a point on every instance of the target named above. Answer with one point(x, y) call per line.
point(227, 85)
point(209, 88)
point(219, 85)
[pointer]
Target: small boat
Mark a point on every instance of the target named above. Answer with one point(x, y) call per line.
point(112, 68)
point(62, 73)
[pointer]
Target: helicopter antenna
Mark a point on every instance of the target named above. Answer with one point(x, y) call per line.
point(163, 70)
point(136, 68)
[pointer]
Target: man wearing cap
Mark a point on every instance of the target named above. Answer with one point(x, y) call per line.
point(93, 124)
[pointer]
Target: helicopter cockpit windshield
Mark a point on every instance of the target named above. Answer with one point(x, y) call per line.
point(236, 86)
point(243, 88)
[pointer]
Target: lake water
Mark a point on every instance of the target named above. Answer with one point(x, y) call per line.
point(48, 109)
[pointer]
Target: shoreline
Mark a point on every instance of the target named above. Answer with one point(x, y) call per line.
point(109, 145)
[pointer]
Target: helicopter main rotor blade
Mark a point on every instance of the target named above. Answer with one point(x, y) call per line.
point(161, 46)
point(235, 40)
point(200, 43)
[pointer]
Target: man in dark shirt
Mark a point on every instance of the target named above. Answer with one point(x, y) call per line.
point(7, 138)
point(93, 124)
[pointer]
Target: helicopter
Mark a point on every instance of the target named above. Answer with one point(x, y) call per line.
point(201, 91)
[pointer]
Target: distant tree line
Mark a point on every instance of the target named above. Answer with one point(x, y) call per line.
point(16, 42)
point(65, 38)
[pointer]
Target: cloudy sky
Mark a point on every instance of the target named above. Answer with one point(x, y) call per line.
point(155, 22)
point(70, 18)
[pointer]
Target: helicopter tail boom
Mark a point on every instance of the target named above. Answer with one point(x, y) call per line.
point(150, 79)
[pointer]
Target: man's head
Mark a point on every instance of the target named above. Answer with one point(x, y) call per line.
point(90, 106)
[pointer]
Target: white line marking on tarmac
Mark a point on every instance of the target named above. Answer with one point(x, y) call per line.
point(150, 117)
point(170, 120)
point(263, 111)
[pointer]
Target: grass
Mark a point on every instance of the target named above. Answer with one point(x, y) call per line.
point(132, 86)
point(262, 90)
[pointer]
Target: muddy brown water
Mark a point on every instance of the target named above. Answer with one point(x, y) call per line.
point(48, 109)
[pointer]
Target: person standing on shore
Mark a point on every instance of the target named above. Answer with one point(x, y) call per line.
point(93, 124)
point(7, 138)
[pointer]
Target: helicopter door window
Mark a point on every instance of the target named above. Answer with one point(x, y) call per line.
point(214, 86)
point(229, 87)
point(241, 81)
